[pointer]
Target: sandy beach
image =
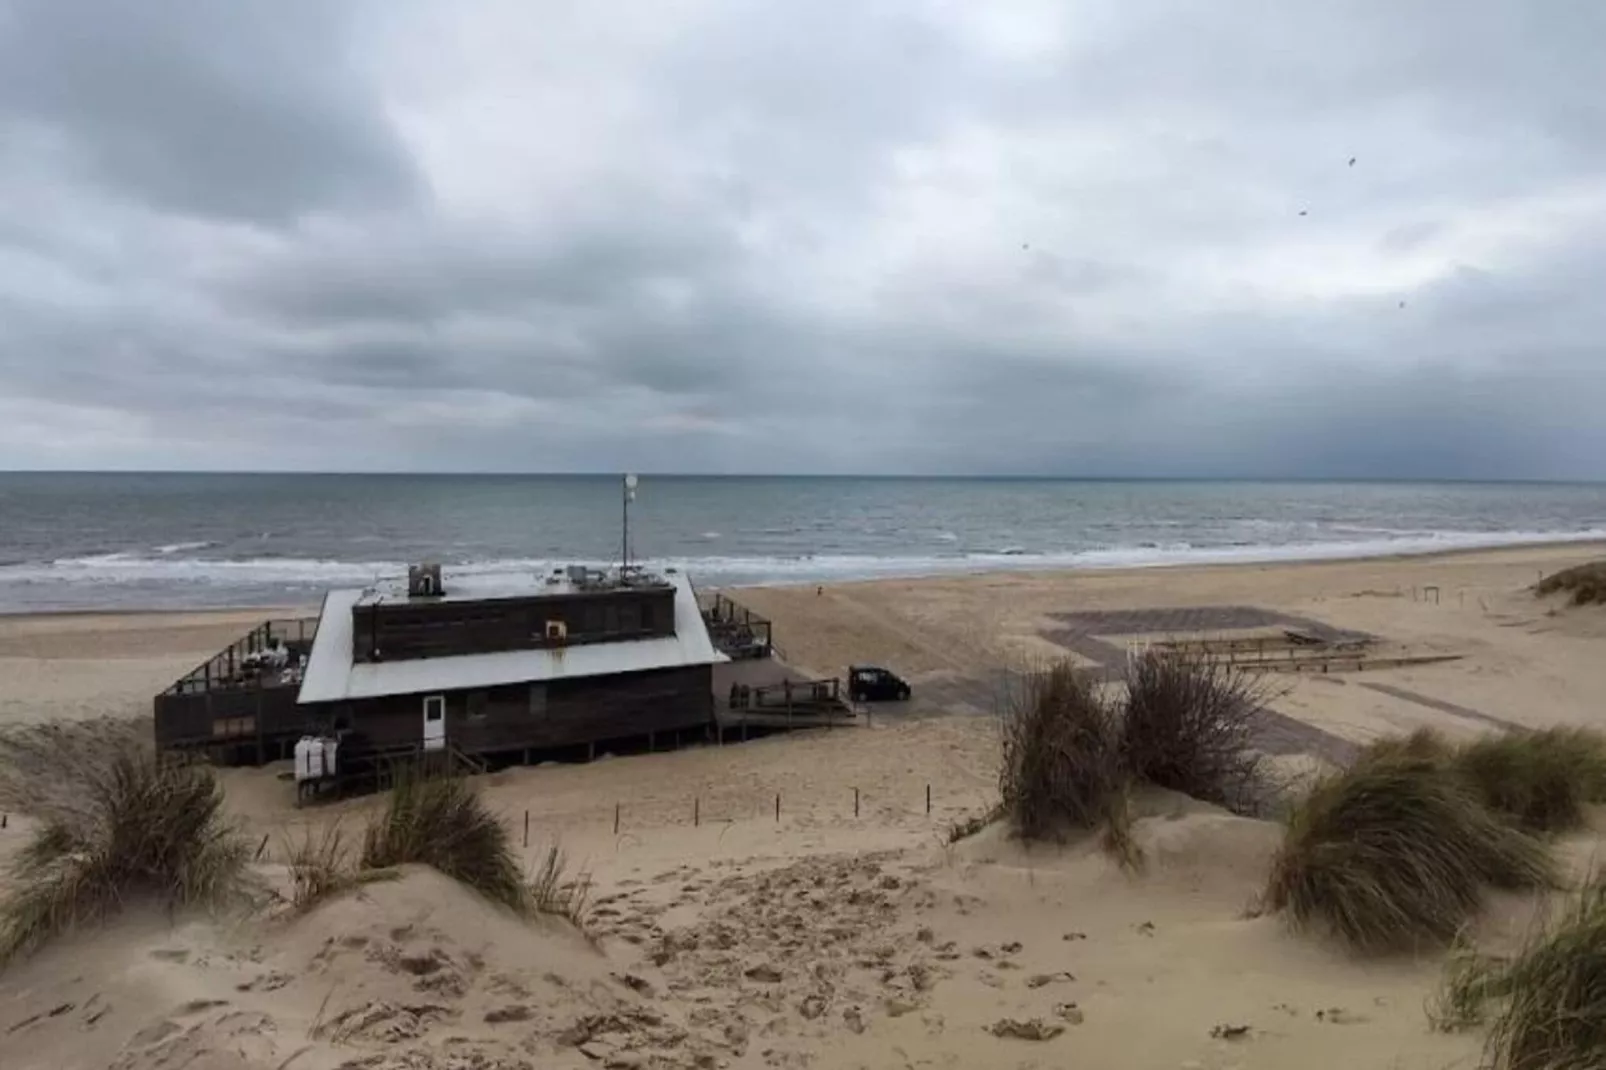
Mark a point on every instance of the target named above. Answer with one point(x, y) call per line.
point(748, 917)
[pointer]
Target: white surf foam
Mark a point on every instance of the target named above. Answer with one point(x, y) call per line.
point(172, 569)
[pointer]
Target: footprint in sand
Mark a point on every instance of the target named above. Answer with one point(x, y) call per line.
point(1340, 1016)
point(199, 1006)
point(155, 1034)
point(268, 982)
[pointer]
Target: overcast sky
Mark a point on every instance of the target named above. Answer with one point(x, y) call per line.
point(1113, 237)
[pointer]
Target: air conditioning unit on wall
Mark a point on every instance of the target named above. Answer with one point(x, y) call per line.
point(556, 631)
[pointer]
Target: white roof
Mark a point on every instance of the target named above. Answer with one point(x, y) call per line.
point(480, 587)
point(332, 676)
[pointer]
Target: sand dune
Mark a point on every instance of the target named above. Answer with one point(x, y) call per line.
point(850, 960)
point(822, 938)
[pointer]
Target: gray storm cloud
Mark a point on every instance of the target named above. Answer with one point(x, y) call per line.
point(728, 236)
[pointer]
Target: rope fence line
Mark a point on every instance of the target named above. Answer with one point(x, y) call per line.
point(853, 801)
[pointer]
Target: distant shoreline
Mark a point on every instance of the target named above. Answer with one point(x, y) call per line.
point(1542, 548)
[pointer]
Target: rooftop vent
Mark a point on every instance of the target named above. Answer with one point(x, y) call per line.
point(424, 581)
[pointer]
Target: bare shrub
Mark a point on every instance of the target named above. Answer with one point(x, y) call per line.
point(1188, 725)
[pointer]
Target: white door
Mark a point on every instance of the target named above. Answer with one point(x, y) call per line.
point(435, 722)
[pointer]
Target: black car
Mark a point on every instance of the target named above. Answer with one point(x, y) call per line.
point(866, 683)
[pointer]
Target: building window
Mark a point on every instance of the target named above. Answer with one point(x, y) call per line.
point(230, 727)
point(537, 700)
point(478, 705)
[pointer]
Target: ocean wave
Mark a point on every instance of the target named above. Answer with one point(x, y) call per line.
point(180, 547)
point(289, 573)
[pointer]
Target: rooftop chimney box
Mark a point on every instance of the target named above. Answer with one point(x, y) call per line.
point(424, 581)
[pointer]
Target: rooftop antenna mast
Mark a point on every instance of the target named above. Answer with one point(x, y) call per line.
point(624, 547)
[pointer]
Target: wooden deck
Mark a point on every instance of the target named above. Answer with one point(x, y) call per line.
point(232, 706)
point(814, 703)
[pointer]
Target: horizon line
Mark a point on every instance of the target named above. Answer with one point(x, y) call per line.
point(931, 476)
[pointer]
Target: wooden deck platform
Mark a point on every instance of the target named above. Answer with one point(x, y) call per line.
point(816, 704)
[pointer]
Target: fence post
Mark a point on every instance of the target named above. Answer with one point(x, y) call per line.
point(616, 819)
point(777, 806)
point(928, 798)
point(696, 811)
point(526, 828)
point(855, 802)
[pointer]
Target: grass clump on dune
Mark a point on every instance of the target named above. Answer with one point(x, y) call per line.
point(1188, 725)
point(321, 866)
point(441, 821)
point(1397, 852)
point(145, 828)
point(1542, 780)
point(1549, 1001)
point(554, 893)
point(1062, 769)
point(1583, 584)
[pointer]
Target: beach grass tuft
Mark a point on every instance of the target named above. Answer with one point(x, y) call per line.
point(1062, 768)
point(322, 866)
point(553, 892)
point(146, 828)
point(44, 765)
point(1546, 1006)
point(1396, 852)
point(1188, 725)
point(1542, 780)
point(1465, 988)
point(1583, 584)
point(441, 821)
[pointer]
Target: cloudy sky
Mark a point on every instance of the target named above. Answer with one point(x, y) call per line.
point(1105, 237)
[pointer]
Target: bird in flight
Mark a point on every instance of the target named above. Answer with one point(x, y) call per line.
point(1352, 161)
point(1303, 212)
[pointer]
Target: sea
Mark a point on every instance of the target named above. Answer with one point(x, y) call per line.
point(87, 541)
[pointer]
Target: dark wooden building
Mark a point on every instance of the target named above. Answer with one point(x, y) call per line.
point(575, 658)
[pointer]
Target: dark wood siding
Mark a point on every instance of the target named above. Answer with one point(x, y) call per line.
point(425, 628)
point(201, 718)
point(564, 713)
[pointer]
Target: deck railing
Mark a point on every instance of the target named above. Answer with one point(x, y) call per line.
point(233, 667)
